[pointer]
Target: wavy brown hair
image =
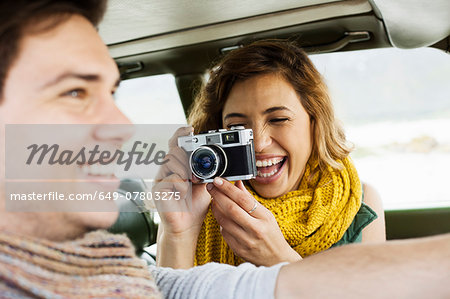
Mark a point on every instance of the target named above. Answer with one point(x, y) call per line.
point(290, 61)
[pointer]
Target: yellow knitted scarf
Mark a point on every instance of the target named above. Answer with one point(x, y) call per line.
point(312, 218)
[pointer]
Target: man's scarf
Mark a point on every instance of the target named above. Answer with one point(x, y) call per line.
point(98, 265)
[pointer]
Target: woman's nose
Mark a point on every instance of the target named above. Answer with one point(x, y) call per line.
point(262, 139)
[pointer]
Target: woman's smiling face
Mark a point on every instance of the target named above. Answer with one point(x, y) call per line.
point(282, 130)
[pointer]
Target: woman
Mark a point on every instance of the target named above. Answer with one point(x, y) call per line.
point(307, 196)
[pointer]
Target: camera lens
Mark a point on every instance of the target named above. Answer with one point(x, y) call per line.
point(207, 162)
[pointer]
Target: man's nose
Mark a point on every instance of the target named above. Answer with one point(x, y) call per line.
point(112, 133)
point(110, 113)
point(262, 139)
point(113, 126)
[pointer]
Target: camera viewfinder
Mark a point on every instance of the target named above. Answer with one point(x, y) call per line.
point(232, 137)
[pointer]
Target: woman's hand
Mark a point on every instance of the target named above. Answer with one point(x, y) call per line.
point(248, 227)
point(181, 219)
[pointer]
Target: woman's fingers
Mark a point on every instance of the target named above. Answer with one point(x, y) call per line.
point(183, 131)
point(231, 208)
point(240, 185)
point(174, 187)
point(172, 182)
point(243, 240)
point(235, 198)
point(195, 179)
point(225, 221)
point(178, 163)
point(176, 160)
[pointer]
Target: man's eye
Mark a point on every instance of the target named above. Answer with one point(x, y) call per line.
point(75, 93)
point(278, 120)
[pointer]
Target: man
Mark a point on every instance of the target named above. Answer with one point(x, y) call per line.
point(55, 69)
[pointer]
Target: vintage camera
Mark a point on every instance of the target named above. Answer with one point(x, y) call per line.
point(226, 153)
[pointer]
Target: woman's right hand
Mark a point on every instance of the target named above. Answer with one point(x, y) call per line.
point(181, 219)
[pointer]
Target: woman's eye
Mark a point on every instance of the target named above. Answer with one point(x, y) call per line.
point(278, 120)
point(234, 125)
point(78, 93)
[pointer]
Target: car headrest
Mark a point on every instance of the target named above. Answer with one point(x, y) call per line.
point(134, 219)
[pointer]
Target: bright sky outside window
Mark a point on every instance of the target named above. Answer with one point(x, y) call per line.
point(396, 110)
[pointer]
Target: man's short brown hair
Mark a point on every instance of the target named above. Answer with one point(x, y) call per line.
point(20, 16)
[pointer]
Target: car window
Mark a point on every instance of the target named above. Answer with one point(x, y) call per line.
point(395, 110)
point(151, 100)
point(394, 107)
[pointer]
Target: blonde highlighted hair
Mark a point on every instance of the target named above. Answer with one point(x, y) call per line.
point(290, 61)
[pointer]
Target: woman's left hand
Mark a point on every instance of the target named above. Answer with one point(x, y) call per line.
point(248, 227)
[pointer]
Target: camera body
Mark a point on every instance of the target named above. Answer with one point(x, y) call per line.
point(226, 153)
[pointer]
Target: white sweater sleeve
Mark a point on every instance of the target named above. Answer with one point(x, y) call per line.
point(217, 281)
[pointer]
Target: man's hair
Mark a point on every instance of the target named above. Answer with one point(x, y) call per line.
point(288, 60)
point(18, 17)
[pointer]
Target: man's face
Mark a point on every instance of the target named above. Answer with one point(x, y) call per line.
point(65, 76)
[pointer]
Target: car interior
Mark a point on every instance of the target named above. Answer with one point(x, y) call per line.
point(183, 38)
